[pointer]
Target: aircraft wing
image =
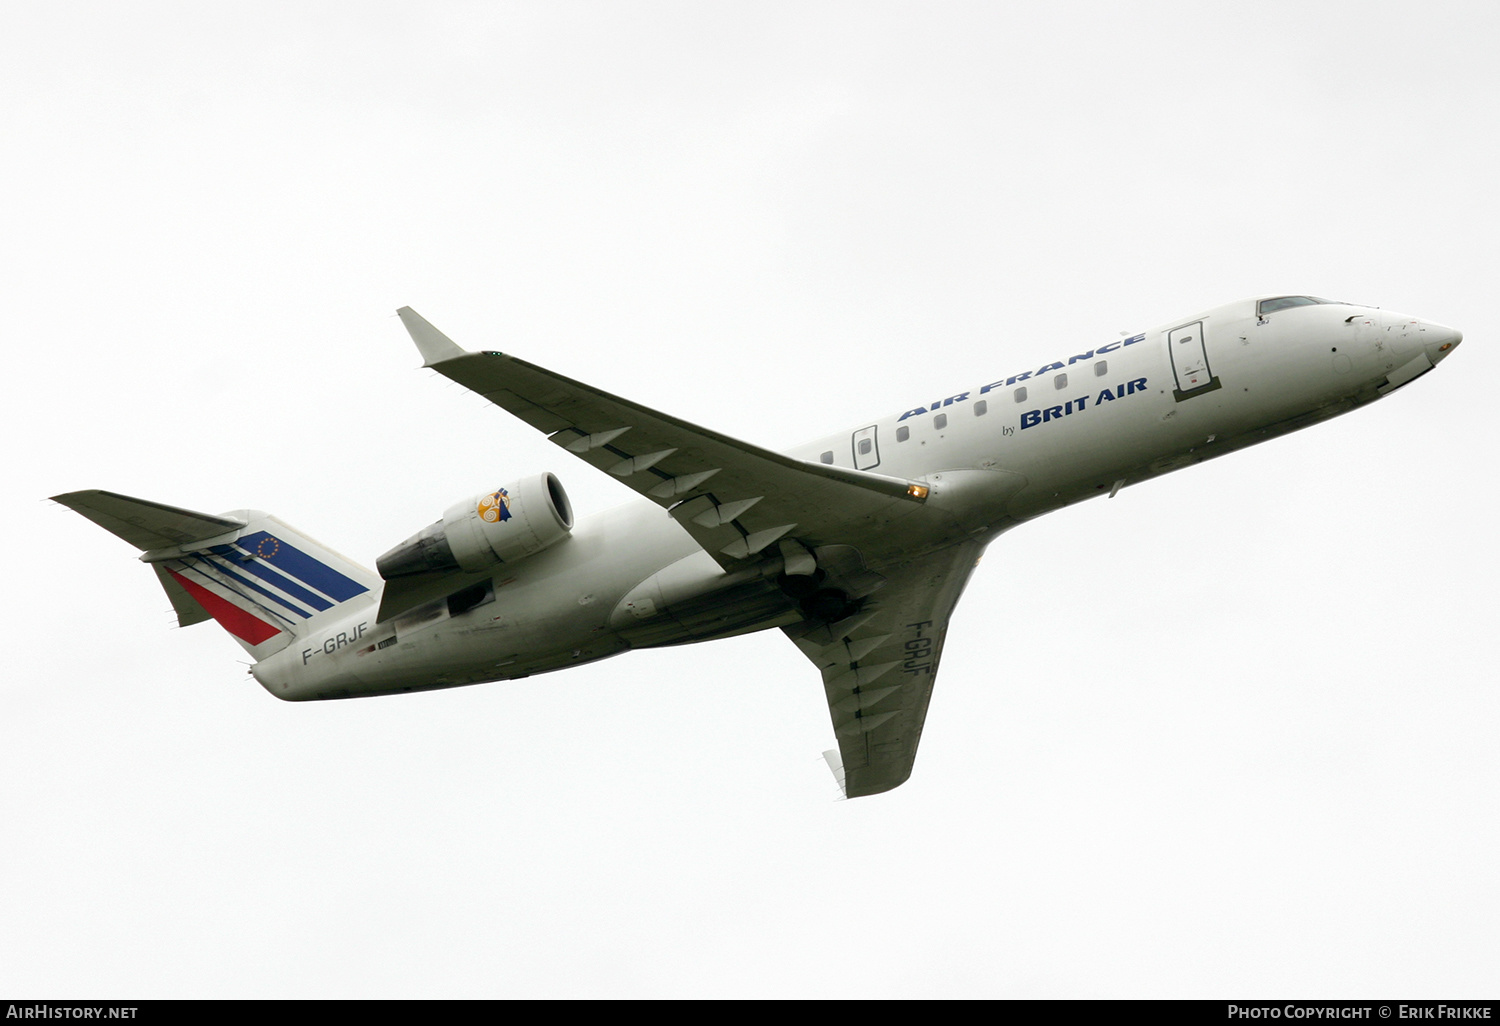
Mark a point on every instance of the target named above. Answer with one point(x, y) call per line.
point(878, 667)
point(735, 499)
point(738, 500)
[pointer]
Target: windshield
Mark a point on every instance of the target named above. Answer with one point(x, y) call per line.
point(1287, 302)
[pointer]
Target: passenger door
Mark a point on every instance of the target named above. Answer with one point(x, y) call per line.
point(1190, 361)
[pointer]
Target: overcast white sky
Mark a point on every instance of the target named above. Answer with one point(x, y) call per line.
point(1233, 732)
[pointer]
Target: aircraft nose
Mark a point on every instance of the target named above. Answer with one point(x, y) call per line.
point(1439, 340)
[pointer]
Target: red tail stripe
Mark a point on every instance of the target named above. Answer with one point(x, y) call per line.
point(231, 617)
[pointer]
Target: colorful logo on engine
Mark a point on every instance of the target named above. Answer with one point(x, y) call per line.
point(495, 507)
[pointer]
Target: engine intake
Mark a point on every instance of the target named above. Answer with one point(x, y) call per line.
point(503, 526)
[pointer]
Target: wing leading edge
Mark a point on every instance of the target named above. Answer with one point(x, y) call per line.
point(735, 499)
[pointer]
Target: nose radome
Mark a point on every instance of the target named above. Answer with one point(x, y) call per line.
point(1439, 340)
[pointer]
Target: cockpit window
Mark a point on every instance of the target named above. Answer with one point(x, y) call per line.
point(1287, 302)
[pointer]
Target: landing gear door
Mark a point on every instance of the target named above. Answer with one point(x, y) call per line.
point(1190, 361)
point(866, 452)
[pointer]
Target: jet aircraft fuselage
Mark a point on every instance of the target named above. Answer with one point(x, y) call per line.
point(857, 545)
point(1081, 424)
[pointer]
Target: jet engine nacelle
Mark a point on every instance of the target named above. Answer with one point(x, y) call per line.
point(502, 526)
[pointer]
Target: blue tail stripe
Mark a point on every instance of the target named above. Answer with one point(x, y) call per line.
point(273, 578)
point(225, 571)
point(294, 562)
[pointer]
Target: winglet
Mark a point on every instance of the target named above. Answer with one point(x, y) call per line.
point(836, 763)
point(434, 346)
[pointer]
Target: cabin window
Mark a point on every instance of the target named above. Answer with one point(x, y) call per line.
point(981, 407)
point(940, 421)
point(1021, 394)
point(1060, 382)
point(903, 433)
point(827, 457)
point(1101, 368)
point(865, 445)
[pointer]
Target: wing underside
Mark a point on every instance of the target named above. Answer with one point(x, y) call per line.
point(879, 664)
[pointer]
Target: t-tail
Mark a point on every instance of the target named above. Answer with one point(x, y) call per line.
point(265, 582)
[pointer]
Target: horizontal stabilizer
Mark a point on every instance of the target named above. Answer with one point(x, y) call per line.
point(145, 524)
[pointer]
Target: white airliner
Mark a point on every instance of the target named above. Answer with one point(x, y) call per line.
point(857, 546)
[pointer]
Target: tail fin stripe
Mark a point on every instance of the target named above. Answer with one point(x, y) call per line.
point(235, 620)
point(298, 564)
point(237, 579)
point(271, 577)
point(236, 595)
